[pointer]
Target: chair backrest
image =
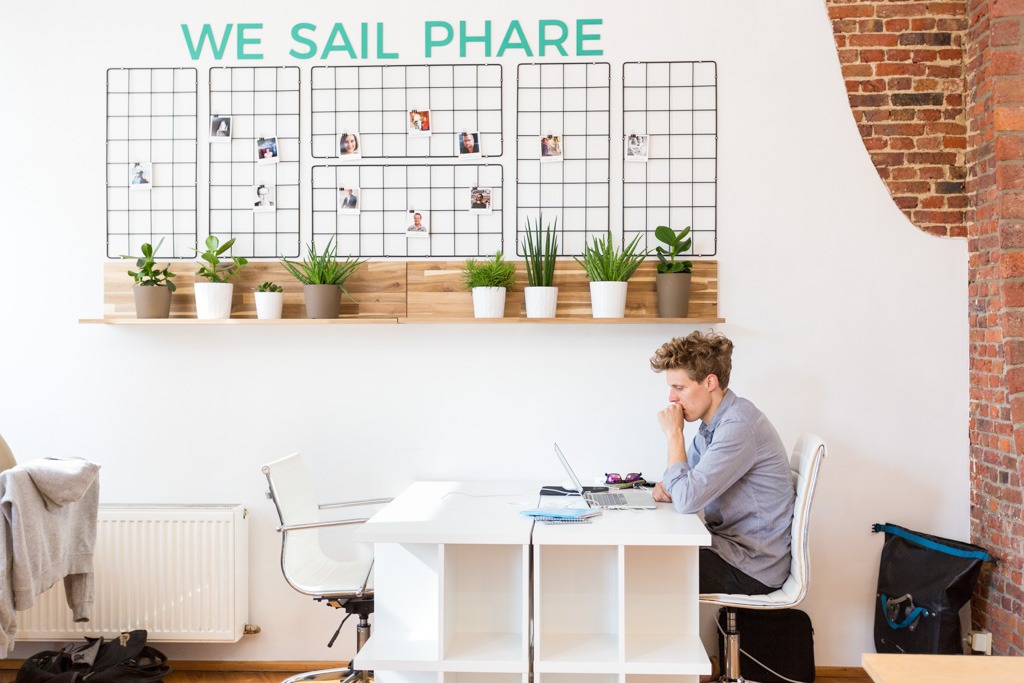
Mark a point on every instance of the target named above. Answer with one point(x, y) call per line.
point(7, 460)
point(305, 565)
point(804, 463)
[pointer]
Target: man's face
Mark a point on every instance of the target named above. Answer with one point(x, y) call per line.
point(416, 220)
point(467, 141)
point(694, 397)
point(348, 192)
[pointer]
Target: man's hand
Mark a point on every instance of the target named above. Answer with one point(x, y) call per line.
point(671, 421)
point(660, 495)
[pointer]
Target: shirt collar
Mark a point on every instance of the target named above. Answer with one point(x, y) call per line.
point(708, 430)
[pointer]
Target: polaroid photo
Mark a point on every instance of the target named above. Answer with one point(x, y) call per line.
point(480, 200)
point(348, 146)
point(348, 200)
point(264, 198)
point(550, 147)
point(266, 150)
point(419, 122)
point(469, 144)
point(140, 175)
point(636, 147)
point(418, 224)
point(220, 128)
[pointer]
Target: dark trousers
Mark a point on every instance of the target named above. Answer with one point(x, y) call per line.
point(718, 576)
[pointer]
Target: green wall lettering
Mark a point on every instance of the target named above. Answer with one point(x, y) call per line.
point(243, 41)
point(308, 42)
point(543, 41)
point(381, 54)
point(465, 38)
point(345, 46)
point(581, 37)
point(429, 42)
point(520, 44)
point(206, 34)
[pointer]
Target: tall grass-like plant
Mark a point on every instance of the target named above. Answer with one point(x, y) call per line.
point(323, 268)
point(540, 250)
point(604, 263)
point(493, 273)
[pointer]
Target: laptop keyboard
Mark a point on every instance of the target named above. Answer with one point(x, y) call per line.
point(609, 499)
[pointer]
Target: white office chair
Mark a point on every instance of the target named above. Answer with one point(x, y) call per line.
point(805, 463)
point(308, 569)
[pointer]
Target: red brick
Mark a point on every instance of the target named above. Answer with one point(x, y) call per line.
point(1005, 32)
point(1007, 64)
point(1011, 265)
point(1006, 8)
point(1009, 118)
point(1011, 235)
point(1011, 206)
point(860, 9)
point(1010, 176)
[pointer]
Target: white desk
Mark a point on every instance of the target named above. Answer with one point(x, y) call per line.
point(614, 601)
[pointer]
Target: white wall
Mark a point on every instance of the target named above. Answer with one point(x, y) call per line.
point(847, 320)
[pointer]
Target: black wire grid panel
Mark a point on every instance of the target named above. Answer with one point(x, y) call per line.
point(675, 105)
point(564, 150)
point(376, 104)
point(387, 199)
point(151, 161)
point(263, 106)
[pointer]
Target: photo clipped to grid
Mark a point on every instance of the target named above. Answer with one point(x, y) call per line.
point(669, 151)
point(151, 161)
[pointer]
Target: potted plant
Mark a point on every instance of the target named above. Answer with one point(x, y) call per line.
point(489, 281)
point(213, 297)
point(153, 286)
point(323, 279)
point(609, 270)
point(540, 250)
point(673, 278)
point(269, 301)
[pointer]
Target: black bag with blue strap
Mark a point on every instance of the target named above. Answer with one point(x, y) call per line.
point(923, 581)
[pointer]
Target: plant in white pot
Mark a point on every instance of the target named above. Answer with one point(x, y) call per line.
point(673, 278)
point(323, 279)
point(609, 270)
point(489, 281)
point(540, 250)
point(269, 301)
point(213, 297)
point(153, 286)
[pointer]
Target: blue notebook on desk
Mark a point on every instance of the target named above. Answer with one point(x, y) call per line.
point(560, 513)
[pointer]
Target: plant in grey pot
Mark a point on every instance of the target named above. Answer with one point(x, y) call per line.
point(540, 250)
point(213, 297)
point(609, 270)
point(153, 286)
point(323, 279)
point(489, 281)
point(269, 298)
point(673, 278)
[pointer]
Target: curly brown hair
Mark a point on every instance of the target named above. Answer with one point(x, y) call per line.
point(699, 354)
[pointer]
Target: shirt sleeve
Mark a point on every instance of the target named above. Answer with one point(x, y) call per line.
point(729, 457)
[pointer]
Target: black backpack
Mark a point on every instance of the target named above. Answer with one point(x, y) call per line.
point(125, 660)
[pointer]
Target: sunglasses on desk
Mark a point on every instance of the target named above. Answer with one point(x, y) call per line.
point(616, 478)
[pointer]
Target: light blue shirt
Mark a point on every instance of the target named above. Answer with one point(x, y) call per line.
point(738, 473)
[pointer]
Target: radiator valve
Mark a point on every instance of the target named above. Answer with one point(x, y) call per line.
point(251, 629)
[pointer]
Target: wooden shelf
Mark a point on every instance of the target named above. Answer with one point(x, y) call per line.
point(410, 293)
point(406, 321)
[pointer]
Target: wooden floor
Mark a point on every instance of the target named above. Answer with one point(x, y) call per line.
point(278, 676)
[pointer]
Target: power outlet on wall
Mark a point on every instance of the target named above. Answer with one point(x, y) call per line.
point(980, 642)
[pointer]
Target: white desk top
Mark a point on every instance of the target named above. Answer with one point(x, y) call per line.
point(890, 668)
point(484, 512)
point(488, 512)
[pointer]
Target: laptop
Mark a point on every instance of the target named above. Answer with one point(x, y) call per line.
point(621, 499)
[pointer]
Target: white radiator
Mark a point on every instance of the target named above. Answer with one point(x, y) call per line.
point(179, 571)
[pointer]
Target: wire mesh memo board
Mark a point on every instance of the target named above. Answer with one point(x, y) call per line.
point(151, 160)
point(670, 150)
point(448, 198)
point(377, 103)
point(563, 150)
point(254, 170)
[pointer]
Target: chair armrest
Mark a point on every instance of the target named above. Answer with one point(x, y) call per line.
point(354, 503)
point(320, 525)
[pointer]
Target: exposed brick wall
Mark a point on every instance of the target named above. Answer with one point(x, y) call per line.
point(976, 168)
point(904, 68)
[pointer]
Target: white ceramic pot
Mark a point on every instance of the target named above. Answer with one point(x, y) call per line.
point(489, 302)
point(608, 299)
point(541, 302)
point(269, 305)
point(213, 300)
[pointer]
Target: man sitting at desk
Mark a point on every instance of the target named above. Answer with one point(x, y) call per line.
point(736, 471)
